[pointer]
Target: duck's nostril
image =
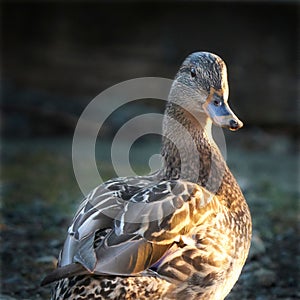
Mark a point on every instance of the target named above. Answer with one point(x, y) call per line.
point(233, 124)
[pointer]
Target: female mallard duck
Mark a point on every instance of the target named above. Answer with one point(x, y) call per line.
point(181, 233)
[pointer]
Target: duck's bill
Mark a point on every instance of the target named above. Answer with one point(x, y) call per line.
point(228, 122)
point(222, 115)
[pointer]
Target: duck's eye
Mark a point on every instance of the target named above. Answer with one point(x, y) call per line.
point(217, 103)
point(193, 72)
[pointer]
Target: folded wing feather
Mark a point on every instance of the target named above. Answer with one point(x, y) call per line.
point(125, 227)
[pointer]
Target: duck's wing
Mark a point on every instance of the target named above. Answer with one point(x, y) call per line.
point(117, 236)
point(149, 223)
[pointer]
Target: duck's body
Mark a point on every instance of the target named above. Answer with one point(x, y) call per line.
point(182, 233)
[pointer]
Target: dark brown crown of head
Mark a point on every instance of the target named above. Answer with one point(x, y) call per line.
point(204, 70)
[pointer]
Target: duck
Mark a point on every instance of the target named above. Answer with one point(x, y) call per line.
point(182, 232)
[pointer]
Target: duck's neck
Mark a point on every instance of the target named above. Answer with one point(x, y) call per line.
point(190, 153)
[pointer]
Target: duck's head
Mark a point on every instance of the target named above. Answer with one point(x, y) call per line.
point(206, 74)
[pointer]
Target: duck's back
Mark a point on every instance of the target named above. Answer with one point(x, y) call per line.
point(195, 248)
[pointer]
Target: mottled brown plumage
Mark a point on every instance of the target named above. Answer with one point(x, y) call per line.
point(181, 233)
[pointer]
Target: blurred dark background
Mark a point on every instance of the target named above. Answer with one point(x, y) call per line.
point(56, 56)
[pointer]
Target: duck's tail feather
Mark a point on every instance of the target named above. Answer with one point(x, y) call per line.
point(73, 269)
